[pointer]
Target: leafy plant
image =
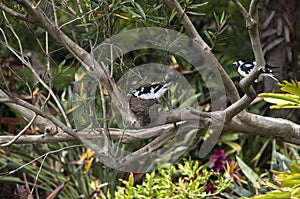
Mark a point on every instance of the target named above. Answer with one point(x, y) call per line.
point(282, 181)
point(220, 26)
point(185, 180)
point(291, 99)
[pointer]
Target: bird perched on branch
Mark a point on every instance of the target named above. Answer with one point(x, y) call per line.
point(144, 100)
point(246, 67)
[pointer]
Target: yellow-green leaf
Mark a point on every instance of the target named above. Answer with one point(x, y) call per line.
point(291, 87)
point(281, 100)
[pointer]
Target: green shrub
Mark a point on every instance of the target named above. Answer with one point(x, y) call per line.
point(187, 180)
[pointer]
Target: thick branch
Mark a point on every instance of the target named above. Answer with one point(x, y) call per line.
point(245, 122)
point(14, 13)
point(266, 126)
point(126, 136)
point(256, 125)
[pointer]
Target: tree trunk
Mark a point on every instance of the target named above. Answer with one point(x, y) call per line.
point(279, 42)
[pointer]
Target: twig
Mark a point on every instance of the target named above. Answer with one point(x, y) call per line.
point(37, 174)
point(78, 18)
point(21, 57)
point(54, 13)
point(241, 9)
point(40, 112)
point(34, 160)
point(21, 132)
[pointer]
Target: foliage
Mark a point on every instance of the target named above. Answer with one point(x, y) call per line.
point(57, 171)
point(54, 170)
point(220, 27)
point(185, 180)
point(41, 169)
point(282, 181)
point(289, 100)
point(286, 184)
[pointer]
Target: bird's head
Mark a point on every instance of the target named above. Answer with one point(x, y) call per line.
point(238, 62)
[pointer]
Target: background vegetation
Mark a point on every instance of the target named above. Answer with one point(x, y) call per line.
point(240, 165)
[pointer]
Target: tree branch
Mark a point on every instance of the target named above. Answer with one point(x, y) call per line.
point(14, 13)
point(229, 85)
point(266, 126)
point(97, 70)
point(11, 141)
point(29, 111)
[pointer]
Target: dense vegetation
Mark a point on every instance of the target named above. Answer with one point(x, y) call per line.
point(240, 165)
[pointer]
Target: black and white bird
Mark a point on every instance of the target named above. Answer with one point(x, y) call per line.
point(153, 91)
point(246, 67)
point(143, 101)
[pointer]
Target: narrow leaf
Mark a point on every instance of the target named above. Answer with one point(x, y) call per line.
point(249, 173)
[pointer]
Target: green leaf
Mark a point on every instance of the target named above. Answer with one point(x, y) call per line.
point(173, 14)
point(295, 168)
point(274, 195)
point(208, 36)
point(290, 100)
point(216, 18)
point(193, 6)
point(196, 13)
point(281, 100)
point(287, 179)
point(249, 173)
point(291, 87)
point(261, 151)
point(296, 193)
point(84, 24)
point(11, 180)
point(140, 9)
point(240, 190)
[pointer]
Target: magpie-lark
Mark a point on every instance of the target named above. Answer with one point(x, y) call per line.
point(153, 91)
point(143, 101)
point(246, 67)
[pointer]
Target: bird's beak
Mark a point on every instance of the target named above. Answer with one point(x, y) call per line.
point(235, 63)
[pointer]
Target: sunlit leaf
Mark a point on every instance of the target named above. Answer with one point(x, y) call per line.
point(173, 14)
point(291, 87)
point(84, 24)
point(281, 100)
point(122, 17)
point(274, 195)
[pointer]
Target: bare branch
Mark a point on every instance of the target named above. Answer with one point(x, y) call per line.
point(236, 118)
point(28, 109)
point(21, 132)
point(97, 70)
point(26, 62)
point(246, 84)
point(253, 9)
point(241, 9)
point(42, 156)
point(229, 85)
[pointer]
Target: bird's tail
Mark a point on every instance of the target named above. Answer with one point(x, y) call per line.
point(273, 77)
